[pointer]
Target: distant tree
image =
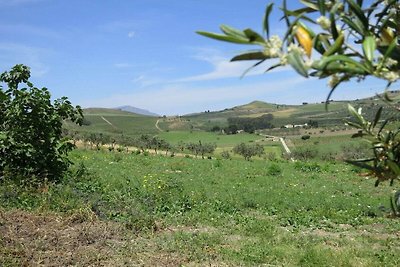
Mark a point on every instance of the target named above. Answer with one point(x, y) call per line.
point(206, 148)
point(216, 128)
point(31, 136)
point(231, 129)
point(248, 151)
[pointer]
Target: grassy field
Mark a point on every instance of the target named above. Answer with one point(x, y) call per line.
point(119, 209)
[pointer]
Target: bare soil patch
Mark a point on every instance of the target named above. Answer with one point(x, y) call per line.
point(28, 239)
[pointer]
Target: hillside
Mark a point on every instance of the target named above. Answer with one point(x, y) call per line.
point(137, 111)
point(283, 114)
point(114, 121)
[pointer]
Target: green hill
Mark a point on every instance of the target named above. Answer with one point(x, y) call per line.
point(118, 122)
point(115, 122)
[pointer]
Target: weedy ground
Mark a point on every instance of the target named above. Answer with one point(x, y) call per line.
point(116, 209)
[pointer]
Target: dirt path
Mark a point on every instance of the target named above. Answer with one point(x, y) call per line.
point(283, 142)
point(104, 119)
point(158, 127)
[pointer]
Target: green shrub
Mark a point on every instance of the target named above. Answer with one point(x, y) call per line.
point(304, 153)
point(274, 170)
point(225, 155)
point(32, 148)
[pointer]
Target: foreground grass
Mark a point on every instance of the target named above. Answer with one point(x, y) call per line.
point(153, 210)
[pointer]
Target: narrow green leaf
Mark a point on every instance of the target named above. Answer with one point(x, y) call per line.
point(337, 45)
point(224, 38)
point(359, 13)
point(394, 167)
point(361, 164)
point(254, 36)
point(342, 79)
point(354, 26)
point(337, 67)
point(389, 49)
point(301, 13)
point(356, 115)
point(296, 61)
point(273, 67)
point(383, 126)
point(266, 19)
point(377, 117)
point(317, 44)
point(230, 31)
point(255, 65)
point(286, 17)
point(250, 56)
point(357, 135)
point(310, 4)
point(321, 7)
point(340, 58)
point(369, 47)
point(334, 31)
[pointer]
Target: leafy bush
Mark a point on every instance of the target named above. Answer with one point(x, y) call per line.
point(31, 142)
point(308, 167)
point(225, 155)
point(304, 153)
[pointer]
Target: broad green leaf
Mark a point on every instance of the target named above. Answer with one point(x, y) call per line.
point(295, 59)
point(250, 56)
point(369, 47)
point(225, 38)
point(268, 11)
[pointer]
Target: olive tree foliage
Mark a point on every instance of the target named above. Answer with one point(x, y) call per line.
point(248, 151)
point(338, 40)
point(32, 147)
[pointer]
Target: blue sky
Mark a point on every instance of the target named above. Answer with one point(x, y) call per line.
point(145, 53)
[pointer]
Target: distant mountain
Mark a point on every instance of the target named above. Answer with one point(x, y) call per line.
point(137, 111)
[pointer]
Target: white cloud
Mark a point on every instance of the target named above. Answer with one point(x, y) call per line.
point(12, 53)
point(222, 67)
point(122, 65)
point(181, 99)
point(131, 34)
